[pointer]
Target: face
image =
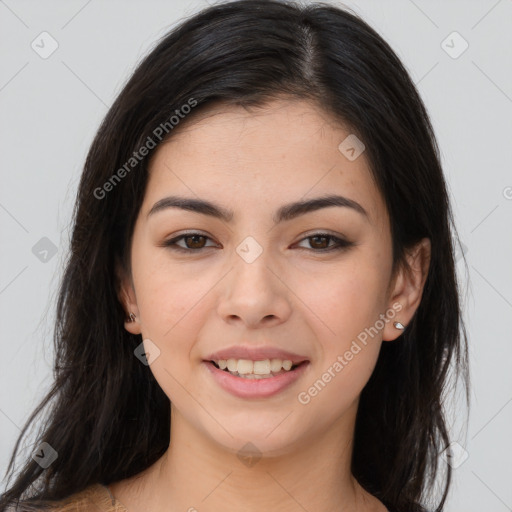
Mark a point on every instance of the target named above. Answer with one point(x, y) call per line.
point(315, 283)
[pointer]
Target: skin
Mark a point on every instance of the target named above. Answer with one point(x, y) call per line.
point(312, 303)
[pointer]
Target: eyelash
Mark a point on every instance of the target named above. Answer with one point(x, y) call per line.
point(340, 243)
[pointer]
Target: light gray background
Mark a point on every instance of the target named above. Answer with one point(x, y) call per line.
point(51, 108)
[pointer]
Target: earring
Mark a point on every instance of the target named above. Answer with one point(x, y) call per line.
point(398, 325)
point(132, 317)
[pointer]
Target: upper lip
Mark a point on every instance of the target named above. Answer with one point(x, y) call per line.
point(255, 354)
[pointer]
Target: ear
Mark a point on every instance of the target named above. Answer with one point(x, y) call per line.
point(127, 297)
point(407, 287)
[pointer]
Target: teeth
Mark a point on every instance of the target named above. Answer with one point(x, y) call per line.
point(245, 366)
point(254, 369)
point(275, 365)
point(287, 364)
point(260, 367)
point(232, 365)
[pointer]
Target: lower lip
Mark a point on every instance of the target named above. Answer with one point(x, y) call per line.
point(255, 388)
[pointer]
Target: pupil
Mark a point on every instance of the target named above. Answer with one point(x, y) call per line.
point(317, 237)
point(194, 237)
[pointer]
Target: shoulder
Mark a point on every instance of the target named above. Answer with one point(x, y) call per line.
point(94, 498)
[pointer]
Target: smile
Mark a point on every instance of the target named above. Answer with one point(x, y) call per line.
point(255, 379)
point(248, 369)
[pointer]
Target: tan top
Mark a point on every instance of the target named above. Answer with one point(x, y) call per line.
point(95, 498)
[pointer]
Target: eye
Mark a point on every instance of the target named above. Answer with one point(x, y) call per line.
point(193, 242)
point(320, 242)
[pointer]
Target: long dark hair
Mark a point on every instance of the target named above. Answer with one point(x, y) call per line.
point(107, 418)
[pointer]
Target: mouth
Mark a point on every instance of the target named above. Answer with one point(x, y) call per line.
point(255, 379)
point(265, 369)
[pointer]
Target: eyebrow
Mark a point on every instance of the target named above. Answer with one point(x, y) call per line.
point(284, 213)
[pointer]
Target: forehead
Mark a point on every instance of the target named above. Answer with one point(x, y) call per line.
point(283, 151)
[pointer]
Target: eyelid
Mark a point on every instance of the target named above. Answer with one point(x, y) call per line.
point(171, 242)
point(340, 241)
point(322, 232)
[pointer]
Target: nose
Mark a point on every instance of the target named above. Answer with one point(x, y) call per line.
point(255, 294)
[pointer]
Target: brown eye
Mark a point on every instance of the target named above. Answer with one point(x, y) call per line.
point(192, 242)
point(320, 242)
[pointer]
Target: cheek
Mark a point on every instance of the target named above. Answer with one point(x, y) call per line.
point(346, 299)
point(172, 309)
point(351, 343)
point(169, 295)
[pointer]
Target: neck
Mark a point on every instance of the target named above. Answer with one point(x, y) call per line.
point(197, 474)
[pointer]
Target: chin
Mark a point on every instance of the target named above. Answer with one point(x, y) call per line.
point(257, 441)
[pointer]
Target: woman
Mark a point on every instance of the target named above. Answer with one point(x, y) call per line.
point(261, 290)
